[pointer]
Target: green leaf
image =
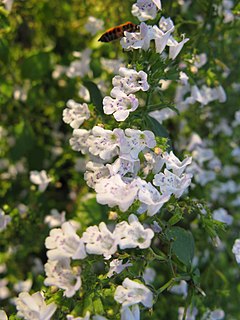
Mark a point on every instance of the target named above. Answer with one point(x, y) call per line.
point(183, 244)
point(95, 95)
point(156, 127)
point(4, 23)
point(36, 66)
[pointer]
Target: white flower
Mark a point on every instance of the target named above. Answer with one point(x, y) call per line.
point(162, 34)
point(132, 292)
point(175, 47)
point(135, 141)
point(84, 93)
point(121, 105)
point(79, 68)
point(222, 215)
point(4, 220)
point(131, 81)
point(40, 178)
point(60, 274)
point(202, 154)
point(21, 286)
point(94, 173)
point(33, 307)
point(146, 9)
point(8, 4)
point(4, 291)
point(99, 240)
point(111, 65)
point(93, 25)
point(173, 163)
point(138, 40)
point(87, 317)
point(55, 219)
point(79, 140)
point(171, 183)
point(130, 313)
point(124, 166)
point(3, 315)
point(150, 198)
point(236, 250)
point(75, 113)
point(115, 192)
point(65, 243)
point(191, 313)
point(133, 235)
point(104, 143)
point(183, 78)
point(149, 275)
point(181, 288)
point(154, 162)
point(117, 266)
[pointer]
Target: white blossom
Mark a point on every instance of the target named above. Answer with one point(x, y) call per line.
point(8, 4)
point(3, 315)
point(120, 105)
point(131, 81)
point(154, 162)
point(4, 291)
point(146, 9)
point(55, 219)
point(236, 250)
point(162, 34)
point(174, 164)
point(135, 141)
point(130, 313)
point(75, 113)
point(60, 274)
point(222, 215)
point(95, 172)
point(104, 143)
point(175, 47)
point(149, 275)
point(115, 192)
point(124, 166)
point(21, 286)
point(33, 307)
point(40, 178)
point(133, 235)
point(181, 288)
point(117, 266)
point(99, 240)
point(80, 67)
point(138, 40)
point(4, 220)
point(171, 183)
point(132, 292)
point(150, 198)
point(93, 25)
point(65, 243)
point(79, 140)
point(191, 313)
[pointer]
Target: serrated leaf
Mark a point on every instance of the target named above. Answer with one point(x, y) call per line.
point(95, 95)
point(183, 244)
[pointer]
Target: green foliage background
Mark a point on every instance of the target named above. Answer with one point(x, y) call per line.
point(36, 36)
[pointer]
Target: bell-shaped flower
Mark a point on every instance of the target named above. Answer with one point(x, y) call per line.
point(79, 140)
point(60, 274)
point(40, 178)
point(117, 266)
point(75, 113)
point(133, 235)
point(162, 34)
point(146, 9)
point(124, 166)
point(135, 141)
point(173, 163)
point(150, 198)
point(65, 243)
point(115, 192)
point(99, 240)
point(171, 183)
point(138, 40)
point(131, 81)
point(33, 307)
point(120, 105)
point(130, 313)
point(175, 47)
point(95, 172)
point(132, 292)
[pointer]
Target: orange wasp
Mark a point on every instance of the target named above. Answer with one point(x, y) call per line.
point(118, 31)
